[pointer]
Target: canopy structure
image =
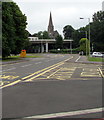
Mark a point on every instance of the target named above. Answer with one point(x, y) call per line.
point(45, 42)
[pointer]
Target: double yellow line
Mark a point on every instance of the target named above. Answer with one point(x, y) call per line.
point(43, 71)
point(37, 74)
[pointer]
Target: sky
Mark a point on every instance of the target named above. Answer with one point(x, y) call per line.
point(64, 12)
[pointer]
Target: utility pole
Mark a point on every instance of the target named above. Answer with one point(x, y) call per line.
point(89, 32)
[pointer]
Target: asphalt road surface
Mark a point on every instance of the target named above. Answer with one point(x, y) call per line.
point(16, 71)
point(51, 87)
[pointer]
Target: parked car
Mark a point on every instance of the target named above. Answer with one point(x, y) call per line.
point(97, 54)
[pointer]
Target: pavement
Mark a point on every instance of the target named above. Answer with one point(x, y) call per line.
point(83, 59)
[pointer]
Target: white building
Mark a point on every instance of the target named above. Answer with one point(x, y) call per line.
point(44, 43)
point(103, 6)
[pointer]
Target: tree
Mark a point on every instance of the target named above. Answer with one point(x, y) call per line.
point(97, 31)
point(59, 42)
point(68, 31)
point(99, 16)
point(14, 37)
point(42, 35)
point(84, 45)
point(46, 35)
point(77, 35)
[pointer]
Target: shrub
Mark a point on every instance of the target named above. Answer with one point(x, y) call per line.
point(65, 51)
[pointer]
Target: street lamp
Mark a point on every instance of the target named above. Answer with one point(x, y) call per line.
point(71, 46)
point(41, 42)
point(89, 32)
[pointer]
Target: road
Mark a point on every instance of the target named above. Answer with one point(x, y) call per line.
point(53, 86)
point(17, 71)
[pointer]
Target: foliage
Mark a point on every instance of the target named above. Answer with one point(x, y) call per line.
point(97, 35)
point(65, 51)
point(99, 16)
point(77, 35)
point(96, 32)
point(46, 35)
point(84, 45)
point(59, 42)
point(14, 35)
point(68, 31)
point(42, 35)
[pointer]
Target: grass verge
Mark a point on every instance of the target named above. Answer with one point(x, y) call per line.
point(17, 57)
point(96, 59)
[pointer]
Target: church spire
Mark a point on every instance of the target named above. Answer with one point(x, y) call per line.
point(50, 26)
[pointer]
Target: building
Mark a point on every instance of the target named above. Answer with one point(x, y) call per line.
point(53, 34)
point(44, 45)
point(103, 6)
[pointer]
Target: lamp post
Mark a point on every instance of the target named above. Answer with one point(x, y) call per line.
point(41, 42)
point(89, 32)
point(71, 46)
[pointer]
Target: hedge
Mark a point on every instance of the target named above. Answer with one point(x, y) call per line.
point(65, 51)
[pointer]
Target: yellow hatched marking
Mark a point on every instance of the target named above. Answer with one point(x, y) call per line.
point(44, 72)
point(13, 83)
point(9, 77)
point(38, 72)
point(3, 83)
point(90, 74)
point(63, 73)
point(54, 73)
point(101, 72)
point(71, 69)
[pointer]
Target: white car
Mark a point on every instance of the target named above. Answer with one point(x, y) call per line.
point(97, 54)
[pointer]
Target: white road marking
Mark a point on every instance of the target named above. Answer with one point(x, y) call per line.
point(9, 69)
point(26, 65)
point(72, 113)
point(78, 58)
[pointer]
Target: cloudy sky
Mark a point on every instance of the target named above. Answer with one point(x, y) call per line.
point(64, 12)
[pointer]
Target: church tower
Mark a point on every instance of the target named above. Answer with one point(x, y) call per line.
point(52, 34)
point(50, 26)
